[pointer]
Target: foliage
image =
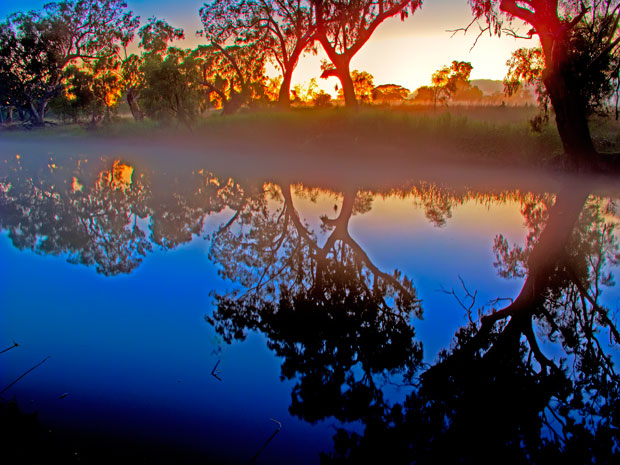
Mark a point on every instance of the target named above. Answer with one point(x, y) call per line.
point(93, 90)
point(173, 86)
point(235, 74)
point(449, 80)
point(305, 93)
point(526, 67)
point(281, 30)
point(156, 34)
point(362, 85)
point(37, 46)
point(322, 99)
point(155, 37)
point(272, 88)
point(389, 93)
point(343, 27)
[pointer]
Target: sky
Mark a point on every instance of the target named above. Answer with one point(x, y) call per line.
point(400, 52)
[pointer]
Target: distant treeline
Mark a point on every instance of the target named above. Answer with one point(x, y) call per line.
point(72, 58)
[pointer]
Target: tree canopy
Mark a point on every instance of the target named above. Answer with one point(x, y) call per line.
point(282, 30)
point(37, 46)
point(580, 44)
point(343, 28)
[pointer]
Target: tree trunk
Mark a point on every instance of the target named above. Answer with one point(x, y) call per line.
point(284, 96)
point(570, 118)
point(569, 107)
point(37, 117)
point(132, 100)
point(9, 114)
point(233, 103)
point(344, 74)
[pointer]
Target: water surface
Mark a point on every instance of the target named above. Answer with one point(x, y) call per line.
point(191, 309)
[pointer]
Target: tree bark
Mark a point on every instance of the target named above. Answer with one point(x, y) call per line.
point(344, 74)
point(341, 71)
point(36, 116)
point(132, 99)
point(568, 105)
point(284, 95)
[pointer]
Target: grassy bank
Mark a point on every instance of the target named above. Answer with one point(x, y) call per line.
point(479, 134)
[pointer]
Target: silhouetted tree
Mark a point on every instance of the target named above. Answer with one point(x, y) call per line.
point(344, 27)
point(37, 46)
point(579, 43)
point(282, 30)
point(338, 321)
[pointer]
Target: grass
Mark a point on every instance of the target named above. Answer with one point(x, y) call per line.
point(488, 135)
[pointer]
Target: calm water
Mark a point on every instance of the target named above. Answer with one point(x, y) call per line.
point(211, 314)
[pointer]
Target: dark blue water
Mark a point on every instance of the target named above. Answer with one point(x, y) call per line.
point(132, 358)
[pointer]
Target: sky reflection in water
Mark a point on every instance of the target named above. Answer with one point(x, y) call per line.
point(133, 351)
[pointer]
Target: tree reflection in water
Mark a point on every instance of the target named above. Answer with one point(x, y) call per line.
point(48, 210)
point(494, 395)
point(533, 382)
point(338, 321)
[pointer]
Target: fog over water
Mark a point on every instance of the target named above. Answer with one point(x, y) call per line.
point(207, 302)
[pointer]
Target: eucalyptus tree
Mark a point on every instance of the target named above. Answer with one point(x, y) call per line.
point(93, 90)
point(282, 29)
point(580, 43)
point(343, 27)
point(37, 46)
point(155, 36)
point(235, 74)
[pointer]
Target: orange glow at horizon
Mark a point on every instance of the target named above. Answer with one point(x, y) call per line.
point(399, 52)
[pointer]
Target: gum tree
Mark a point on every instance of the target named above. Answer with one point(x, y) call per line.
point(38, 45)
point(283, 30)
point(343, 27)
point(579, 42)
point(155, 36)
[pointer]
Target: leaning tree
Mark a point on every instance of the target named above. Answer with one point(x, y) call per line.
point(580, 44)
point(343, 27)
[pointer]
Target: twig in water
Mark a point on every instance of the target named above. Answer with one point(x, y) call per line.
point(468, 295)
point(24, 374)
point(215, 371)
point(267, 441)
point(15, 344)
